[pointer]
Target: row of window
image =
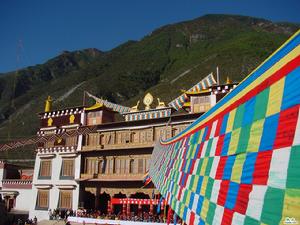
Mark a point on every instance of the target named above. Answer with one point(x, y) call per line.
point(96, 166)
point(43, 196)
point(122, 137)
point(116, 166)
point(67, 169)
point(133, 137)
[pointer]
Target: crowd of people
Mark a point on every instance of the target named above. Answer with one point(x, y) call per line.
point(26, 222)
point(142, 216)
point(60, 214)
point(63, 214)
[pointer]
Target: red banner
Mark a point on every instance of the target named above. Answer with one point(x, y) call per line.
point(135, 201)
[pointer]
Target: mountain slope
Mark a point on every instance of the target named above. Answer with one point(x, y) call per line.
point(171, 58)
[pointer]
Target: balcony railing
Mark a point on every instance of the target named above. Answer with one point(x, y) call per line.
point(118, 146)
point(16, 183)
point(113, 177)
point(58, 148)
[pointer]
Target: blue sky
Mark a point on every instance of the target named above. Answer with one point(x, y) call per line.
point(45, 28)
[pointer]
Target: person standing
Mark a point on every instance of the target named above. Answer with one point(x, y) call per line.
point(35, 220)
point(50, 214)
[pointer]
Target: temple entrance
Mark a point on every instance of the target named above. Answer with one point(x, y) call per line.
point(89, 200)
point(103, 199)
point(138, 209)
point(11, 203)
point(9, 199)
point(118, 208)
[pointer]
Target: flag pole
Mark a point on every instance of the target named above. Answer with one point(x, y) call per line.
point(218, 77)
point(83, 101)
point(165, 211)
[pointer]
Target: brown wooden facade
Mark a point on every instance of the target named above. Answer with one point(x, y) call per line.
point(115, 159)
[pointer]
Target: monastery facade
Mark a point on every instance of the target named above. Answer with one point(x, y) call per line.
point(110, 160)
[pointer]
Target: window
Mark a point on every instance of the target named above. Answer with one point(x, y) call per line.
point(67, 170)
point(65, 199)
point(94, 118)
point(92, 166)
point(114, 165)
point(143, 136)
point(110, 138)
point(71, 141)
point(102, 166)
point(93, 139)
point(45, 169)
point(117, 166)
point(127, 137)
point(101, 140)
point(111, 166)
point(123, 166)
point(147, 164)
point(42, 200)
point(133, 137)
point(141, 166)
point(200, 104)
point(85, 140)
point(131, 166)
point(107, 138)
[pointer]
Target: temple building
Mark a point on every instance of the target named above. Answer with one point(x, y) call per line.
point(116, 157)
point(57, 164)
point(92, 160)
point(15, 187)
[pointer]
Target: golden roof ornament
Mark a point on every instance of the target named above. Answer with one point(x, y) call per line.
point(135, 108)
point(72, 118)
point(50, 122)
point(59, 140)
point(97, 105)
point(228, 81)
point(160, 104)
point(48, 104)
point(148, 99)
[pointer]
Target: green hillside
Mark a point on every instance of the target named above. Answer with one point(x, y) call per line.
point(171, 58)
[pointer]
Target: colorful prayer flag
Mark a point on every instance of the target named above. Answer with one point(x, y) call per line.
point(239, 162)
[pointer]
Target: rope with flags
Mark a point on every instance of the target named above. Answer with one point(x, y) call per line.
point(43, 139)
point(239, 162)
point(79, 131)
point(205, 83)
point(110, 105)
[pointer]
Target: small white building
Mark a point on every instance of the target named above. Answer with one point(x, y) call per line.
point(16, 187)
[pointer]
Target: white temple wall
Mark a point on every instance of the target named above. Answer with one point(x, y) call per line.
point(1, 176)
point(55, 184)
point(24, 199)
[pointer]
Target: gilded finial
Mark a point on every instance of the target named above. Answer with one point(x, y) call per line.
point(48, 104)
point(50, 122)
point(148, 99)
point(72, 118)
point(160, 104)
point(228, 81)
point(135, 108)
